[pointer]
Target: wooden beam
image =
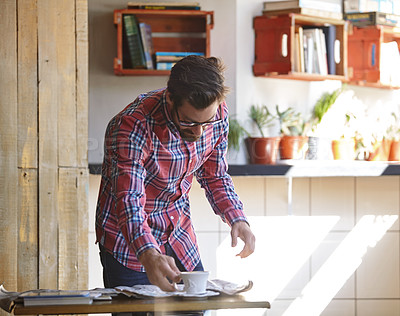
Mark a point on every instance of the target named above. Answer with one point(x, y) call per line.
point(48, 144)
point(82, 81)
point(8, 144)
point(66, 83)
point(27, 230)
point(27, 85)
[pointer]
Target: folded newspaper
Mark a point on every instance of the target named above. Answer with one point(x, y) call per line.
point(214, 287)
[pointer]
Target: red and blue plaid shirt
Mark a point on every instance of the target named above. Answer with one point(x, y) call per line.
point(147, 173)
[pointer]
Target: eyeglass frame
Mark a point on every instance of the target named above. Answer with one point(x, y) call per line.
point(195, 124)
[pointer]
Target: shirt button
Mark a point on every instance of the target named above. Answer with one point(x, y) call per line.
point(172, 217)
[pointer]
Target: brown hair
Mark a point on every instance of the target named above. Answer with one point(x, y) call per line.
point(198, 80)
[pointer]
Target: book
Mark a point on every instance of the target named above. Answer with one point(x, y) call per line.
point(315, 51)
point(174, 56)
point(147, 41)
point(330, 42)
point(361, 19)
point(306, 11)
point(58, 298)
point(164, 5)
point(324, 5)
point(134, 42)
point(165, 65)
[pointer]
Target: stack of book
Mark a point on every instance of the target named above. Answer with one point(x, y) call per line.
point(319, 8)
point(166, 60)
point(139, 43)
point(361, 19)
point(314, 50)
point(140, 53)
point(149, 5)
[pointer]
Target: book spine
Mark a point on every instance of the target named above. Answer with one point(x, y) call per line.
point(145, 33)
point(134, 42)
point(164, 7)
point(164, 65)
point(181, 54)
point(330, 38)
point(372, 18)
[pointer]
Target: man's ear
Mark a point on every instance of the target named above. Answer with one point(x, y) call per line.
point(168, 96)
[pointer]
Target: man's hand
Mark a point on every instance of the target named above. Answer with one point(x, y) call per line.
point(242, 230)
point(159, 267)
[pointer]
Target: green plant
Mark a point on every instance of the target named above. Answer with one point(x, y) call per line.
point(323, 105)
point(291, 122)
point(262, 117)
point(236, 133)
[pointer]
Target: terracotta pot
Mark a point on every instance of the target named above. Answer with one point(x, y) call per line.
point(262, 150)
point(394, 154)
point(381, 151)
point(344, 149)
point(293, 147)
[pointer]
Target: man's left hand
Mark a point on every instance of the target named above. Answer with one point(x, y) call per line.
point(242, 230)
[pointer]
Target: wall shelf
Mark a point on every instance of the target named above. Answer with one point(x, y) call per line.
point(315, 168)
point(172, 31)
point(309, 168)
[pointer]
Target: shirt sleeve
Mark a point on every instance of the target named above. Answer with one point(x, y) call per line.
point(213, 177)
point(129, 149)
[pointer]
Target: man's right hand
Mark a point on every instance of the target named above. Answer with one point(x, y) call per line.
point(159, 267)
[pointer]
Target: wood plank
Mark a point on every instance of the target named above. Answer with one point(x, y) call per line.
point(27, 84)
point(82, 81)
point(68, 228)
point(83, 228)
point(66, 80)
point(27, 230)
point(48, 162)
point(8, 145)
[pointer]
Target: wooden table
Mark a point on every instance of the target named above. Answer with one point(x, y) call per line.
point(145, 305)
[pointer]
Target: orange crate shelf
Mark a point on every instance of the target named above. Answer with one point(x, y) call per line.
point(173, 31)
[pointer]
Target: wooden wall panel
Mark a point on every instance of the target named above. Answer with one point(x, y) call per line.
point(68, 231)
point(43, 126)
point(27, 250)
point(82, 81)
point(27, 84)
point(66, 83)
point(83, 228)
point(48, 144)
point(8, 144)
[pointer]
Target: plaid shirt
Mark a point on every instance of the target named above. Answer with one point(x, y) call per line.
point(147, 173)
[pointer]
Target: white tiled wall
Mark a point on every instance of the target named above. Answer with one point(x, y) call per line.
point(374, 287)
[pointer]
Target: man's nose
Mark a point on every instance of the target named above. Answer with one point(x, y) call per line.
point(198, 130)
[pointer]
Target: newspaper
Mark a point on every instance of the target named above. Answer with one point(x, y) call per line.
point(214, 287)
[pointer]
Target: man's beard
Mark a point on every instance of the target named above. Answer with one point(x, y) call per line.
point(189, 137)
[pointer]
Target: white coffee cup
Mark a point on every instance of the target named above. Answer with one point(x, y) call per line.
point(195, 282)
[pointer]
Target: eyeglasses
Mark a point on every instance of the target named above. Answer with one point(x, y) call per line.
point(194, 124)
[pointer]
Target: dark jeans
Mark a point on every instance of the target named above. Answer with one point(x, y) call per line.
point(116, 274)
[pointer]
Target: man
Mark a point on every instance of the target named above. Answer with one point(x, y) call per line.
point(153, 148)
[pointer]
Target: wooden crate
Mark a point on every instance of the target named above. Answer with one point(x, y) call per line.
point(365, 52)
point(172, 30)
point(270, 59)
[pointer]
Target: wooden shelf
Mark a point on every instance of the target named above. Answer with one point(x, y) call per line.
point(172, 30)
point(270, 60)
point(364, 57)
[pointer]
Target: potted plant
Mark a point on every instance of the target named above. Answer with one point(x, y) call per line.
point(293, 129)
point(260, 149)
point(394, 135)
point(321, 107)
